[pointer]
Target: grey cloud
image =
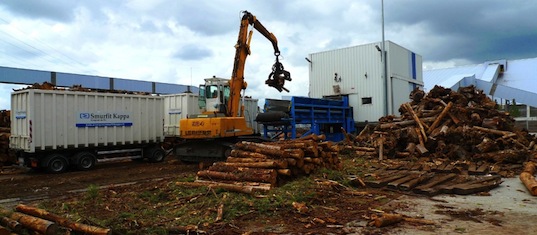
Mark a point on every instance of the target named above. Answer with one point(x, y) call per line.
point(192, 52)
point(206, 18)
point(54, 10)
point(483, 30)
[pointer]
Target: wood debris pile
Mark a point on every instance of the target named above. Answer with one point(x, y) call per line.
point(50, 86)
point(262, 165)
point(444, 124)
point(6, 156)
point(32, 220)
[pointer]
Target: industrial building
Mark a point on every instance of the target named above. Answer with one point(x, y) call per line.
point(358, 72)
point(28, 77)
point(511, 83)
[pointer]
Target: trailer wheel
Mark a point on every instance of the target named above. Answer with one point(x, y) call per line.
point(85, 160)
point(155, 154)
point(56, 163)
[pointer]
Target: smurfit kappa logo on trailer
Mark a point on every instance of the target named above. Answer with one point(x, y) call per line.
point(102, 119)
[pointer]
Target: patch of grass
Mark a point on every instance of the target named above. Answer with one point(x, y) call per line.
point(154, 197)
point(156, 231)
point(92, 195)
point(237, 205)
point(92, 192)
point(354, 165)
point(188, 178)
point(126, 215)
point(299, 190)
point(460, 230)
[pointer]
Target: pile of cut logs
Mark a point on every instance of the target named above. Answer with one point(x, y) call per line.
point(459, 132)
point(262, 165)
point(444, 124)
point(32, 220)
point(5, 132)
point(76, 87)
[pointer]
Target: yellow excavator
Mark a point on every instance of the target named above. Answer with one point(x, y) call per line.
point(209, 136)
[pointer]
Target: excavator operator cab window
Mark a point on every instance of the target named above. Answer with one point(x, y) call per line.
point(201, 97)
point(226, 95)
point(211, 92)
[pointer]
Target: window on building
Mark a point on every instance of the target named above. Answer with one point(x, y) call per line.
point(367, 100)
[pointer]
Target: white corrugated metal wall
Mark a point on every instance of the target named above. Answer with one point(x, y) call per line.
point(177, 107)
point(49, 119)
point(360, 75)
point(405, 70)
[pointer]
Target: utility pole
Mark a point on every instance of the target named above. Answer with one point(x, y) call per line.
point(384, 68)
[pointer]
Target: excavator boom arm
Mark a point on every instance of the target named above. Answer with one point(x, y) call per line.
point(261, 29)
point(237, 83)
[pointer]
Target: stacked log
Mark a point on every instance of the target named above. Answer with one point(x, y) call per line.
point(5, 132)
point(262, 165)
point(32, 220)
point(528, 179)
point(444, 124)
point(77, 87)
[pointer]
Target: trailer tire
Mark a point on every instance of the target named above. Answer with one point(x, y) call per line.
point(85, 160)
point(56, 163)
point(156, 154)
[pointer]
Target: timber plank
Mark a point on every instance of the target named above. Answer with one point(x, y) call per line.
point(449, 168)
point(416, 167)
point(412, 183)
point(471, 186)
point(428, 188)
point(440, 168)
point(385, 180)
point(472, 168)
point(395, 184)
point(483, 169)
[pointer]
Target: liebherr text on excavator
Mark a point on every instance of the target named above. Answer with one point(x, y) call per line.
point(209, 136)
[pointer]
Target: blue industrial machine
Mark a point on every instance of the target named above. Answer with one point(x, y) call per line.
point(315, 116)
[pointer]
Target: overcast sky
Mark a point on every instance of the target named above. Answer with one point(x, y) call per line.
point(184, 41)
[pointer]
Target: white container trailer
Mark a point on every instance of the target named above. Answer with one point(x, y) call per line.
point(357, 72)
point(53, 129)
point(177, 107)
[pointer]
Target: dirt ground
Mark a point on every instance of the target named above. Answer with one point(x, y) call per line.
point(331, 212)
point(27, 185)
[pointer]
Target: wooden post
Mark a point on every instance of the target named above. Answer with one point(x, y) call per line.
point(416, 118)
point(440, 117)
point(387, 219)
point(492, 131)
point(381, 147)
point(528, 179)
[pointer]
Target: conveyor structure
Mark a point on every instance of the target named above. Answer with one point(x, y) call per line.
point(314, 116)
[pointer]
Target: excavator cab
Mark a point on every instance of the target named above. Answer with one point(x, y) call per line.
point(214, 95)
